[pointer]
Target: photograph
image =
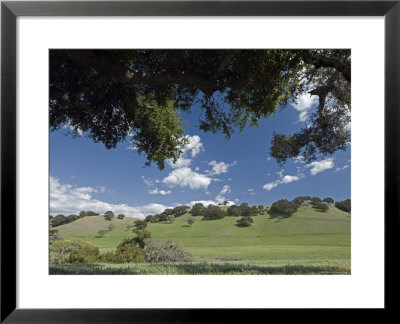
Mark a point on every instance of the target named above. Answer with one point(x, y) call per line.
point(200, 161)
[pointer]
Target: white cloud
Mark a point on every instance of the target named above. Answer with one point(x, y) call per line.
point(68, 199)
point(303, 104)
point(284, 180)
point(155, 191)
point(148, 182)
point(269, 186)
point(219, 167)
point(289, 179)
point(195, 146)
point(180, 163)
point(299, 159)
point(185, 177)
point(342, 168)
point(251, 191)
point(320, 166)
point(225, 190)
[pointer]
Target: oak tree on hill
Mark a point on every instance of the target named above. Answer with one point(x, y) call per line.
point(115, 94)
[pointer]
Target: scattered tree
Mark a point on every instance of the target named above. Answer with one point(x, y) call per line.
point(170, 219)
point(213, 212)
point(180, 210)
point(321, 207)
point(328, 200)
point(109, 215)
point(91, 213)
point(121, 216)
point(282, 207)
point(140, 224)
point(244, 221)
point(198, 209)
point(233, 211)
point(82, 214)
point(72, 218)
point(344, 205)
point(191, 221)
point(59, 220)
point(102, 232)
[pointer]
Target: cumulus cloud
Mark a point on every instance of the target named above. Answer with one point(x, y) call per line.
point(69, 199)
point(195, 146)
point(155, 191)
point(180, 163)
point(218, 200)
point(303, 104)
point(186, 177)
point(284, 180)
point(320, 166)
point(225, 190)
point(219, 167)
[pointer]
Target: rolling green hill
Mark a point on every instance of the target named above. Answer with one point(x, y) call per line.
point(307, 235)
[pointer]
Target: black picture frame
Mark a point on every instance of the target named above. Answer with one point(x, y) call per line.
point(10, 10)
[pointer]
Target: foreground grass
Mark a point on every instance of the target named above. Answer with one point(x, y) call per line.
point(207, 268)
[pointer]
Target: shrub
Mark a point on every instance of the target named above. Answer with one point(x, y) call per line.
point(85, 254)
point(110, 227)
point(213, 212)
point(244, 221)
point(165, 251)
point(127, 251)
point(60, 250)
point(283, 207)
point(170, 218)
point(121, 216)
point(344, 205)
point(141, 236)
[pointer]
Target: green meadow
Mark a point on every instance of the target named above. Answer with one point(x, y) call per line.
point(309, 242)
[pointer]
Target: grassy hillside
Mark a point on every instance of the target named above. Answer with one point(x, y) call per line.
point(306, 235)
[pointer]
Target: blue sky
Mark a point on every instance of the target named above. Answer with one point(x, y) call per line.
point(86, 176)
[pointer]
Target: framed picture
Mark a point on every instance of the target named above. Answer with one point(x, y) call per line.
point(38, 46)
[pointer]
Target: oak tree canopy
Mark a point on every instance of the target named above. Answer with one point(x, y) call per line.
point(113, 95)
